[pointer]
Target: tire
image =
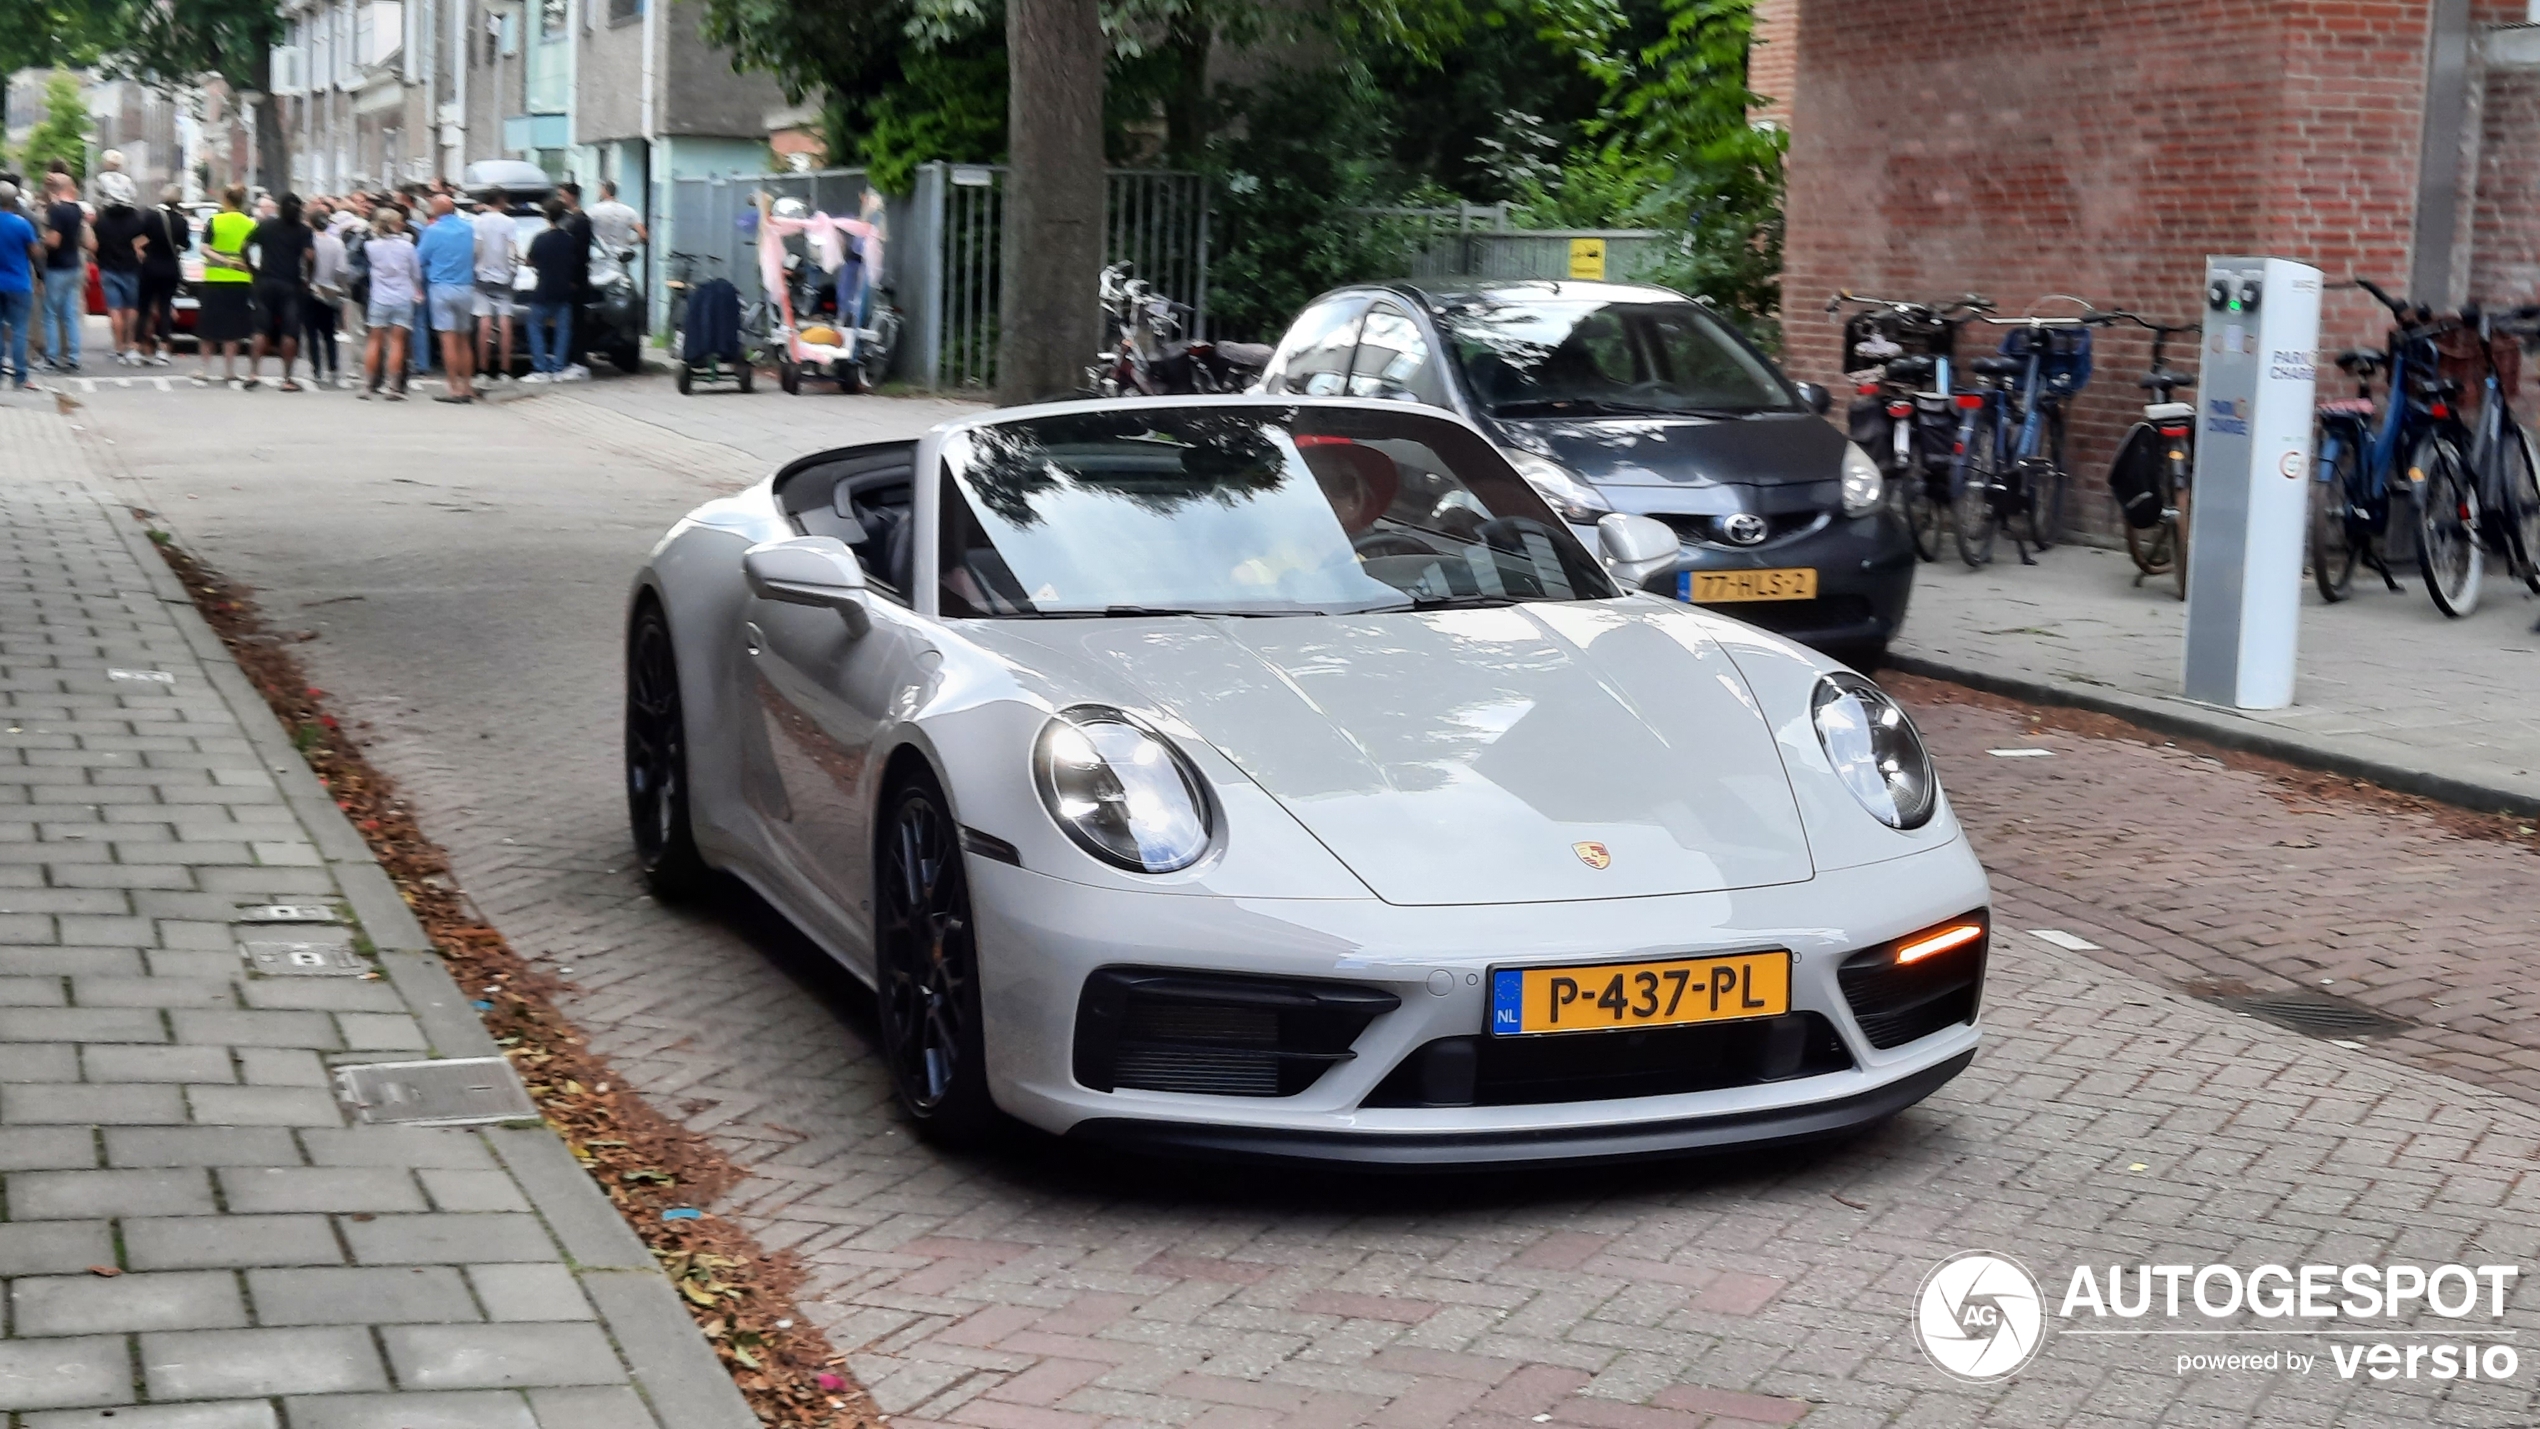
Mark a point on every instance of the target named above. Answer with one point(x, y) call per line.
point(2520, 486)
point(627, 357)
point(2333, 535)
point(2151, 547)
point(686, 378)
point(789, 377)
point(1971, 499)
point(747, 372)
point(657, 804)
point(2046, 488)
point(1926, 516)
point(926, 965)
point(2178, 534)
point(2449, 551)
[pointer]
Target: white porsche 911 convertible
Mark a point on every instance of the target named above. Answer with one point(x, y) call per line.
point(1278, 777)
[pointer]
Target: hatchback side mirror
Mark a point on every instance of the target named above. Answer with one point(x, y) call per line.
point(1635, 547)
point(1816, 396)
point(810, 570)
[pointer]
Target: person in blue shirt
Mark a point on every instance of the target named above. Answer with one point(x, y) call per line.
point(447, 252)
point(19, 253)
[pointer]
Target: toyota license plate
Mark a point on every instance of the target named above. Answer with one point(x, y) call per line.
point(1719, 587)
point(1603, 997)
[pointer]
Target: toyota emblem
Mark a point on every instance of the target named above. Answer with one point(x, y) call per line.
point(1744, 529)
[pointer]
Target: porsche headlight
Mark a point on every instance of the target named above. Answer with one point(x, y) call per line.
point(1875, 750)
point(1863, 483)
point(1121, 790)
point(1561, 489)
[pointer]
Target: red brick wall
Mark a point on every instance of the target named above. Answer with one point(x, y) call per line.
point(1772, 59)
point(1946, 146)
point(2505, 217)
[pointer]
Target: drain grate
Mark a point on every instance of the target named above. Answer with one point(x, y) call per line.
point(285, 913)
point(287, 957)
point(2316, 1014)
point(459, 1091)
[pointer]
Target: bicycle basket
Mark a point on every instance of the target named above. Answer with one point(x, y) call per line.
point(2066, 354)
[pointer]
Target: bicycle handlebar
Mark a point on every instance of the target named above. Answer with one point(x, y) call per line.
point(1972, 302)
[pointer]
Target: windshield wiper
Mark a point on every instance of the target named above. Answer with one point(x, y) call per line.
point(1439, 602)
point(1598, 407)
point(1117, 612)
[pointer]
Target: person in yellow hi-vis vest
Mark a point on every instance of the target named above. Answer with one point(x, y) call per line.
point(228, 317)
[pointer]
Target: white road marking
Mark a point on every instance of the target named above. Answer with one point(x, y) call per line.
point(162, 384)
point(124, 382)
point(2069, 942)
point(87, 384)
point(2021, 753)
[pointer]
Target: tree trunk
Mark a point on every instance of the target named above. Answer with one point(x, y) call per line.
point(1049, 324)
point(272, 140)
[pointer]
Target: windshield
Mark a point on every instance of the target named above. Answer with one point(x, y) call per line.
point(1244, 510)
point(1556, 357)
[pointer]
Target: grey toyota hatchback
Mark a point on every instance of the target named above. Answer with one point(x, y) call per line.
point(1617, 397)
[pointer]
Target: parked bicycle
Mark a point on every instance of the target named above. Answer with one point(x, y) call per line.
point(2153, 474)
point(2500, 449)
point(2360, 480)
point(2009, 448)
point(1900, 413)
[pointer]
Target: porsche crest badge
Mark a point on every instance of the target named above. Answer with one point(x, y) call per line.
point(1594, 855)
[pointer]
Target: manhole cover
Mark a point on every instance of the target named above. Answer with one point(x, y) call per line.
point(457, 1092)
point(281, 957)
point(285, 913)
point(2317, 1014)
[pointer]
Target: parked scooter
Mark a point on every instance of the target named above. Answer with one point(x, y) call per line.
point(1152, 358)
point(611, 320)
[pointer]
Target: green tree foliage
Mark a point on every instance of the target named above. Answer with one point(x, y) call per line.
point(63, 131)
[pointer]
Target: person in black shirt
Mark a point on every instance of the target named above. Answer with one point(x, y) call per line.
point(553, 255)
point(578, 224)
point(67, 240)
point(164, 235)
point(285, 252)
point(119, 230)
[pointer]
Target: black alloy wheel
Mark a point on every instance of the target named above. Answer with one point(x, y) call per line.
point(926, 958)
point(657, 761)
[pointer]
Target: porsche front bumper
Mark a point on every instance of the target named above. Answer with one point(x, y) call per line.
point(1040, 938)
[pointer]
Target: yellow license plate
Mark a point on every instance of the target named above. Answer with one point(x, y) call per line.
point(1605, 996)
point(1717, 587)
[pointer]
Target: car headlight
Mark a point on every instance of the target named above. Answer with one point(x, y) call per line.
point(1875, 750)
point(1121, 790)
point(1560, 488)
point(1863, 482)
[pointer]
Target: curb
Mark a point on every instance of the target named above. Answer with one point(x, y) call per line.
point(2172, 718)
point(685, 1384)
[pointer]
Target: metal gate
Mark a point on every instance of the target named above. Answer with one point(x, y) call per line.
point(941, 261)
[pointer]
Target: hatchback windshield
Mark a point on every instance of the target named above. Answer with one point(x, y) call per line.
point(1557, 357)
point(1244, 510)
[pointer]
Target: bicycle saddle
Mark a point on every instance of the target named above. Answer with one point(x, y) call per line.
point(1908, 369)
point(1999, 366)
point(2164, 377)
point(2347, 407)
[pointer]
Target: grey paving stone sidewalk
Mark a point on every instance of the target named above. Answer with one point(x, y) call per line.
point(192, 1222)
point(2387, 686)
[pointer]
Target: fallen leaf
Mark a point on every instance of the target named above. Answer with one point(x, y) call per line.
point(107, 1271)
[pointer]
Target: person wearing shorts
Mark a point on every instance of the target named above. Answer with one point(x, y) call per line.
point(497, 261)
point(285, 252)
point(395, 279)
point(228, 315)
point(447, 251)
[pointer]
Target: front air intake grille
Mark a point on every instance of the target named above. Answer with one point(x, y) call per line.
point(1156, 1030)
point(1898, 1002)
point(1602, 1066)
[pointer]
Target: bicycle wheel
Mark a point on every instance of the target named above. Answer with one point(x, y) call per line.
point(2520, 493)
point(2178, 535)
point(2151, 547)
point(2448, 549)
point(2046, 485)
point(1972, 496)
point(1926, 513)
point(2334, 541)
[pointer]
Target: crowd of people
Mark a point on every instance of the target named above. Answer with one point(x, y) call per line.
point(294, 280)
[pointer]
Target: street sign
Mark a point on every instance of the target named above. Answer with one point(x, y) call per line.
point(1587, 258)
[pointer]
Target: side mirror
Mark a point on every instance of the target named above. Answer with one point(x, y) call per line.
point(810, 570)
point(1635, 547)
point(1816, 396)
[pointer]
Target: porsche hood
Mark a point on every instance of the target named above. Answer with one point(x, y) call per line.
point(1511, 755)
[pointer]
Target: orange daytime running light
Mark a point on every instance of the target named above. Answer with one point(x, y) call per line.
point(1955, 936)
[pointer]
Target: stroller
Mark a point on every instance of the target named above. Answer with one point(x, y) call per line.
point(710, 349)
point(825, 327)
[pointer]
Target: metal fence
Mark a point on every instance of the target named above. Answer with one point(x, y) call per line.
point(1475, 241)
point(941, 261)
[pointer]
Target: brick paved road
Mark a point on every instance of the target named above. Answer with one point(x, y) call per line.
point(1039, 1289)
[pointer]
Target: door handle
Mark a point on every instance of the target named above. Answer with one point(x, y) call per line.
point(753, 639)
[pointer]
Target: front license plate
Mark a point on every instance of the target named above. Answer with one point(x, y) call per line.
point(1718, 587)
point(1606, 996)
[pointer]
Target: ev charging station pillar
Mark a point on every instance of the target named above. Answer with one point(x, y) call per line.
point(2253, 468)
